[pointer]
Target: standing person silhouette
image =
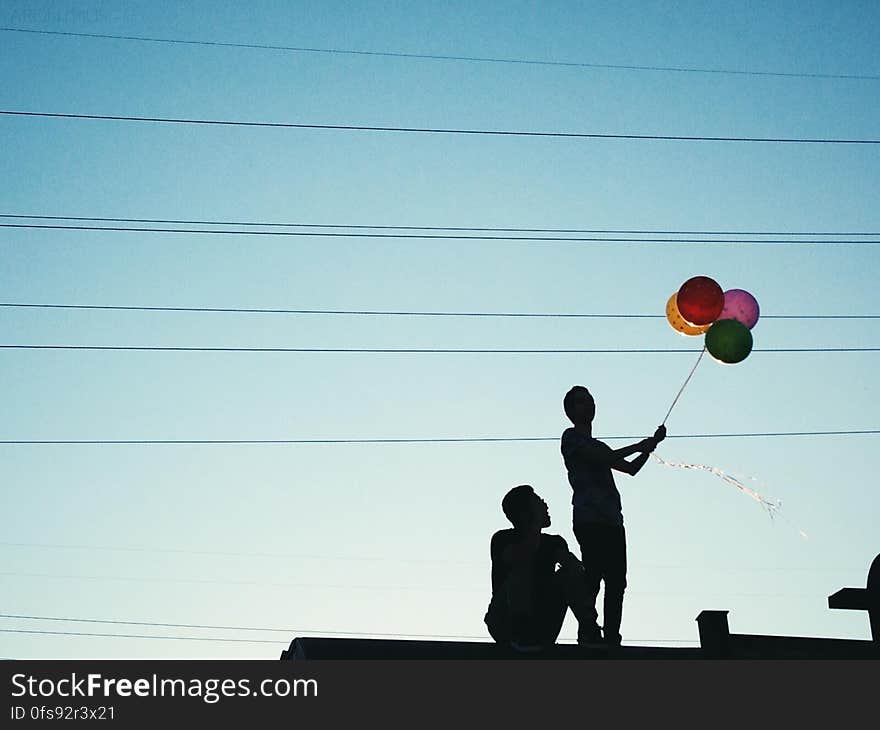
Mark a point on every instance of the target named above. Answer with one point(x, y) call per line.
point(530, 594)
point(597, 513)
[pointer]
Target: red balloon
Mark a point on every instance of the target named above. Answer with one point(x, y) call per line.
point(700, 300)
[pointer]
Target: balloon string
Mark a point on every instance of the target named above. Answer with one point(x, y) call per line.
point(773, 507)
point(687, 380)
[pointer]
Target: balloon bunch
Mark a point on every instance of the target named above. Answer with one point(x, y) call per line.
point(725, 317)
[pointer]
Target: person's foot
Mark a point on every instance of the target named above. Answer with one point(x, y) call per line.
point(590, 636)
point(613, 640)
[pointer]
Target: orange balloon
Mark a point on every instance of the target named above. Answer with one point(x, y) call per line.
point(679, 323)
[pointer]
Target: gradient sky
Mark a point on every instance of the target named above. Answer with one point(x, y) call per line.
point(394, 538)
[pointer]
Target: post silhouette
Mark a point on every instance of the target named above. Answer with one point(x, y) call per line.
point(863, 599)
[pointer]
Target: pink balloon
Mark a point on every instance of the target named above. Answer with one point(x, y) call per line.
point(742, 306)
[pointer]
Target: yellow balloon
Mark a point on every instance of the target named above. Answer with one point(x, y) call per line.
point(679, 323)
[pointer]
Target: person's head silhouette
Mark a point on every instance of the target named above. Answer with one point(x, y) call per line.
point(525, 509)
point(579, 406)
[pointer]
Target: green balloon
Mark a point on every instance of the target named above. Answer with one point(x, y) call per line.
point(729, 341)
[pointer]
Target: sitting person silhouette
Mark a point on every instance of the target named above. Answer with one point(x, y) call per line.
point(597, 514)
point(530, 595)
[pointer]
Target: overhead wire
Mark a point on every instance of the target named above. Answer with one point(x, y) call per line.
point(429, 236)
point(398, 313)
point(227, 582)
point(421, 228)
point(264, 641)
point(441, 130)
point(240, 554)
point(451, 440)
point(379, 588)
point(142, 636)
point(276, 224)
point(373, 558)
point(156, 624)
point(446, 57)
point(422, 350)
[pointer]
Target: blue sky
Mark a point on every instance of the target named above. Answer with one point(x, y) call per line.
point(394, 538)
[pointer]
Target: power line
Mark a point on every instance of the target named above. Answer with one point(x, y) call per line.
point(425, 236)
point(439, 130)
point(453, 440)
point(238, 554)
point(280, 630)
point(444, 589)
point(224, 628)
point(270, 224)
point(448, 57)
point(374, 558)
point(269, 641)
point(400, 313)
point(420, 351)
point(143, 636)
point(218, 582)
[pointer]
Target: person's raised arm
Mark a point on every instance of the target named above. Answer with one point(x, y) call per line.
point(601, 454)
point(633, 467)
